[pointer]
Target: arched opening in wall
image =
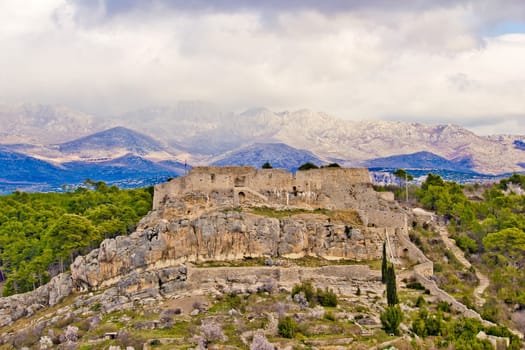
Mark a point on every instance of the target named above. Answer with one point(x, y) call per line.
point(242, 197)
point(212, 178)
point(294, 191)
point(405, 253)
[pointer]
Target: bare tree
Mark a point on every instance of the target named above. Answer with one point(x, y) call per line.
point(261, 343)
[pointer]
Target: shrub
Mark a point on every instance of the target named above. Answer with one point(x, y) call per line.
point(415, 285)
point(307, 289)
point(391, 318)
point(267, 165)
point(420, 301)
point(331, 165)
point(308, 166)
point(235, 302)
point(287, 327)
point(326, 297)
point(467, 244)
point(443, 306)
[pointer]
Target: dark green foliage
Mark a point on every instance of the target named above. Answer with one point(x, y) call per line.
point(420, 302)
point(415, 285)
point(326, 297)
point(331, 165)
point(235, 302)
point(403, 175)
point(42, 233)
point(391, 286)
point(391, 318)
point(428, 325)
point(287, 327)
point(308, 291)
point(491, 227)
point(308, 166)
point(384, 263)
point(467, 244)
point(267, 165)
point(443, 306)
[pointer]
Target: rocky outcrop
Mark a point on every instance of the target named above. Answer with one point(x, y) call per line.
point(222, 236)
point(20, 305)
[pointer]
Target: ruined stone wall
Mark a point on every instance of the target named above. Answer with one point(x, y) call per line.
point(240, 278)
point(277, 185)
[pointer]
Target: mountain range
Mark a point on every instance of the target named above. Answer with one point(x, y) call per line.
point(44, 145)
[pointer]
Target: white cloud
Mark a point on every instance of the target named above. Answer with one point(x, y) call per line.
point(371, 63)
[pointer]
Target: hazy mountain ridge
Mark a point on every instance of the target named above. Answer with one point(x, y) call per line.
point(45, 124)
point(201, 134)
point(329, 137)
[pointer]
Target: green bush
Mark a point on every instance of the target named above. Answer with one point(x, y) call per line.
point(428, 324)
point(443, 306)
point(420, 301)
point(391, 318)
point(331, 165)
point(415, 285)
point(308, 166)
point(236, 302)
point(308, 291)
point(326, 297)
point(467, 244)
point(287, 327)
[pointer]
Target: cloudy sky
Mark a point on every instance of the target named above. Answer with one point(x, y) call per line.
point(441, 61)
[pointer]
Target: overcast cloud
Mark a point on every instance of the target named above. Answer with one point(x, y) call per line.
point(428, 61)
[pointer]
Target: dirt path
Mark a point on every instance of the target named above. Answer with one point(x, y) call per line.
point(483, 280)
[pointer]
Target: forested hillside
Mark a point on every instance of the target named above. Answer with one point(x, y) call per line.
point(488, 223)
point(42, 233)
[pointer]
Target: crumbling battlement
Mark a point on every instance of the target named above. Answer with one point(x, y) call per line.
point(327, 187)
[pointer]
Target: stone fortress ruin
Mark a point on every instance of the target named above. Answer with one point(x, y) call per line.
point(233, 213)
point(328, 188)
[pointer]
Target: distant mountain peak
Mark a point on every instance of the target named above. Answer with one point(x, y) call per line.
point(117, 137)
point(279, 155)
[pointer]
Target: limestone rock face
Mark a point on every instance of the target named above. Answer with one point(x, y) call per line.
point(20, 305)
point(221, 236)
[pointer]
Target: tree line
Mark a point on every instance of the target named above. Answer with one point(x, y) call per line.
point(42, 233)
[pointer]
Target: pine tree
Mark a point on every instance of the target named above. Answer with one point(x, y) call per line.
point(391, 288)
point(384, 264)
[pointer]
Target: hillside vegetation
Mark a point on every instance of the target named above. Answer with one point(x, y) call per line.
point(42, 233)
point(488, 224)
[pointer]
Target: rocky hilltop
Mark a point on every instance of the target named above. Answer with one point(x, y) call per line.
point(225, 214)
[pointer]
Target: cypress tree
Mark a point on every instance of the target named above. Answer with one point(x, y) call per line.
point(384, 264)
point(391, 288)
